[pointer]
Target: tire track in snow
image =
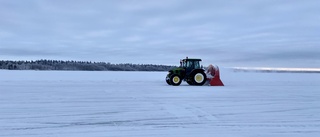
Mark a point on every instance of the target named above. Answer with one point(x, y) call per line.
point(193, 114)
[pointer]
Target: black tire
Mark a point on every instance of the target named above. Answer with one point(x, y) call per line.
point(175, 80)
point(168, 80)
point(198, 78)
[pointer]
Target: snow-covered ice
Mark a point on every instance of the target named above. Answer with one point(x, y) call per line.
point(103, 104)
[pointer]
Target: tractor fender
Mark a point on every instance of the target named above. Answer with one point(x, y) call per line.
point(195, 71)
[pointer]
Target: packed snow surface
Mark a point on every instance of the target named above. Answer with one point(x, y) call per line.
point(141, 104)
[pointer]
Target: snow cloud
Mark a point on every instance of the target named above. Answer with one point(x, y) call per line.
point(270, 33)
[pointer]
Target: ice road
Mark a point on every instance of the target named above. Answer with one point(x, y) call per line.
point(141, 104)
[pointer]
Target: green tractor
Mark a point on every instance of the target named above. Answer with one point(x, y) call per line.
point(189, 71)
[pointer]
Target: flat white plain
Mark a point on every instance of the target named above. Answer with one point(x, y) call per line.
point(102, 104)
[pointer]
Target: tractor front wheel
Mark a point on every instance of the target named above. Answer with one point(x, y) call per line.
point(175, 80)
point(168, 80)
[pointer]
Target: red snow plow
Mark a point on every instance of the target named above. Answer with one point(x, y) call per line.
point(213, 76)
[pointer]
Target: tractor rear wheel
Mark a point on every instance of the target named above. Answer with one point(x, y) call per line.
point(175, 80)
point(198, 78)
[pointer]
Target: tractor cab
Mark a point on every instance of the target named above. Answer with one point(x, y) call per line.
point(190, 64)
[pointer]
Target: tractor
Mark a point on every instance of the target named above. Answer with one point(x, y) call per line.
point(194, 74)
point(189, 71)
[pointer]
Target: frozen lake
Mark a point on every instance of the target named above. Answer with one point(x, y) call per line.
point(103, 104)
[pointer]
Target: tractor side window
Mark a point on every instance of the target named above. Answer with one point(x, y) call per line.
point(190, 64)
point(197, 65)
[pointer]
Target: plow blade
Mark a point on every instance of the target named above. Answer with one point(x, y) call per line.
point(215, 76)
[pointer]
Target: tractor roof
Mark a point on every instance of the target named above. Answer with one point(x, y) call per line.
point(188, 59)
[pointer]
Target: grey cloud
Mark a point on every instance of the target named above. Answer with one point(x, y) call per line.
point(225, 32)
point(27, 52)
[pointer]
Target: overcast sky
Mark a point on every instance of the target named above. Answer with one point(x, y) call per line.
point(268, 33)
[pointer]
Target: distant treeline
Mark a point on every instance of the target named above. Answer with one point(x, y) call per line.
point(79, 65)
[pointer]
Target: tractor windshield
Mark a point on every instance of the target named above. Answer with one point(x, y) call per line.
point(183, 64)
